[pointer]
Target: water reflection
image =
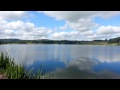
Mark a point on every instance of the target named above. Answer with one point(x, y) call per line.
point(106, 54)
point(69, 61)
point(83, 63)
point(73, 72)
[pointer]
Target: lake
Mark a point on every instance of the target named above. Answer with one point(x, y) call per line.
point(68, 61)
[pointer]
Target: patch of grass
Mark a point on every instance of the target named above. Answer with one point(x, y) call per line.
point(15, 71)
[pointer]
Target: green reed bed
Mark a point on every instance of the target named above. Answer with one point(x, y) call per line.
point(10, 70)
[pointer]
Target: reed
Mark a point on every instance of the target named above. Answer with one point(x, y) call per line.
point(10, 70)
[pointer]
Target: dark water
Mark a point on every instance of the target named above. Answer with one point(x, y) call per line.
point(69, 61)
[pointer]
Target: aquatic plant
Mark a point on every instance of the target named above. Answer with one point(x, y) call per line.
point(10, 70)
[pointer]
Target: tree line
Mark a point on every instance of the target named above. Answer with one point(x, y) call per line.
point(46, 41)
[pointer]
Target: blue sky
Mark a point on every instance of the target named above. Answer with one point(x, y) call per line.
point(41, 19)
point(114, 21)
point(60, 25)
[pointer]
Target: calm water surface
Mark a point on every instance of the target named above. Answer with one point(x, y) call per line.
point(68, 61)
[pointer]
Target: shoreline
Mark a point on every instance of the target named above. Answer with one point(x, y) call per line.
point(63, 44)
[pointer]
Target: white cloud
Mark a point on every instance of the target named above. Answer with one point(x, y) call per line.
point(108, 30)
point(12, 15)
point(82, 25)
point(16, 25)
point(76, 15)
point(104, 32)
point(73, 35)
point(88, 33)
point(63, 35)
point(82, 22)
point(22, 30)
point(63, 27)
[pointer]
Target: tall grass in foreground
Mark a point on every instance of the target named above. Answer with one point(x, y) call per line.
point(15, 71)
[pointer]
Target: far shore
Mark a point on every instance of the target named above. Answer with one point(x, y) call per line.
point(114, 44)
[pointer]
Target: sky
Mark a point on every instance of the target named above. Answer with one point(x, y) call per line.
point(59, 25)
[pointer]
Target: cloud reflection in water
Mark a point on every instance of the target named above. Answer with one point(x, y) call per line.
point(69, 61)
